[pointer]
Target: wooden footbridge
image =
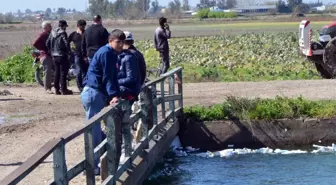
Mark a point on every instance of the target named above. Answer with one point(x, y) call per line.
point(158, 130)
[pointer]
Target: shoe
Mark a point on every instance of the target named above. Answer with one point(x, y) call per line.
point(67, 92)
point(48, 91)
point(57, 92)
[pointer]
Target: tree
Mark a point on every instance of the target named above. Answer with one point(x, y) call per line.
point(143, 5)
point(206, 4)
point(28, 11)
point(61, 11)
point(293, 3)
point(231, 3)
point(302, 9)
point(155, 6)
point(174, 6)
point(221, 4)
point(282, 7)
point(185, 5)
point(48, 11)
point(99, 7)
point(19, 13)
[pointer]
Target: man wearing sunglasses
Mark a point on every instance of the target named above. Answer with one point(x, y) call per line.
point(101, 85)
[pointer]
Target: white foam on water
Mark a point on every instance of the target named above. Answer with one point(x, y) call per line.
point(244, 151)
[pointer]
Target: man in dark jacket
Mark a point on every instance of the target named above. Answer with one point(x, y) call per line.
point(129, 76)
point(101, 85)
point(59, 48)
point(129, 41)
point(162, 34)
point(95, 36)
point(46, 60)
point(76, 38)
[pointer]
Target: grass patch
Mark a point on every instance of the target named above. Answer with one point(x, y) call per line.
point(263, 109)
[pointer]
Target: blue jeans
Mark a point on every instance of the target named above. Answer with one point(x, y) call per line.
point(93, 102)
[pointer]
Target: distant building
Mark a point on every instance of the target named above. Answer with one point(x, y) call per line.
point(255, 9)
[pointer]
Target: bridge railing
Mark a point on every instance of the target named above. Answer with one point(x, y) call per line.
point(118, 121)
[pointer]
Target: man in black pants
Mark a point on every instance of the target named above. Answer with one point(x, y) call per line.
point(94, 38)
point(162, 34)
point(59, 48)
point(76, 38)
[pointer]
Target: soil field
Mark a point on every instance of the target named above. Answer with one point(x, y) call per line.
point(12, 40)
point(29, 117)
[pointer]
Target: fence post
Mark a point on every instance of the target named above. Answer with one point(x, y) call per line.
point(163, 102)
point(60, 168)
point(114, 140)
point(89, 157)
point(180, 88)
point(155, 112)
point(172, 92)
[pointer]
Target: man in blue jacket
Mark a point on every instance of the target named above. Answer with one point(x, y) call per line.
point(101, 84)
point(129, 77)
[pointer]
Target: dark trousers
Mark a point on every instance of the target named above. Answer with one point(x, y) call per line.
point(61, 72)
point(83, 68)
point(165, 61)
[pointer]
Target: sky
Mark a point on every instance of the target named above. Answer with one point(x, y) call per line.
point(14, 5)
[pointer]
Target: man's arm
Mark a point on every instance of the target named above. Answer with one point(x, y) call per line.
point(66, 43)
point(83, 47)
point(110, 78)
point(48, 43)
point(132, 71)
point(106, 36)
point(37, 42)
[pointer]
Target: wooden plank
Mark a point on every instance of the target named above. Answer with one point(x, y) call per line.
point(163, 77)
point(101, 148)
point(180, 88)
point(163, 104)
point(127, 140)
point(108, 181)
point(31, 163)
point(134, 117)
point(89, 157)
point(155, 111)
point(114, 141)
point(88, 124)
point(60, 168)
point(172, 92)
point(76, 170)
point(170, 98)
point(159, 126)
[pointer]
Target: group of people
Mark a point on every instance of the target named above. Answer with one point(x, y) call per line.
point(111, 67)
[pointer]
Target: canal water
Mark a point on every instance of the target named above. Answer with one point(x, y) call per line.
point(248, 167)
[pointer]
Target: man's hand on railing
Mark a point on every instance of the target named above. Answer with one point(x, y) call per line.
point(114, 101)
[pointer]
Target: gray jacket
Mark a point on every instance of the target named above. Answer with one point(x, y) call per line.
point(161, 39)
point(58, 44)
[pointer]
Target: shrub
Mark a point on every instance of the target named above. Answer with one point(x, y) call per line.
point(18, 68)
point(257, 109)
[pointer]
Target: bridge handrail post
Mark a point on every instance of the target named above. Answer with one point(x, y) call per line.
point(60, 168)
point(114, 140)
point(163, 102)
point(171, 93)
point(146, 107)
point(180, 88)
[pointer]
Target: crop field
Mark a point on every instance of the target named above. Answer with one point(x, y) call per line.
point(250, 51)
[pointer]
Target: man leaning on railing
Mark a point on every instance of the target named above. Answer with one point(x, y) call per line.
point(101, 84)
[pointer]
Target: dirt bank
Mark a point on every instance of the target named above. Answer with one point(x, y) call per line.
point(297, 133)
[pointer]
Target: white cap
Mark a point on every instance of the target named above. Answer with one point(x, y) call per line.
point(129, 35)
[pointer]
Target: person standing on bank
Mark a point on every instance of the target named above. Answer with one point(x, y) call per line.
point(46, 60)
point(76, 38)
point(101, 86)
point(162, 34)
point(59, 48)
point(95, 37)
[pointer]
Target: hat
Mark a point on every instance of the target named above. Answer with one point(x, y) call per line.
point(62, 23)
point(128, 35)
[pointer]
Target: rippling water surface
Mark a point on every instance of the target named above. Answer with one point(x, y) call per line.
point(251, 169)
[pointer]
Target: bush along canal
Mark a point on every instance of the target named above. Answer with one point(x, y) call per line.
point(253, 141)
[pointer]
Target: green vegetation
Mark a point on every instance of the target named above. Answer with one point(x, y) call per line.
point(206, 13)
point(257, 109)
point(18, 68)
point(247, 57)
